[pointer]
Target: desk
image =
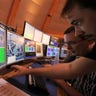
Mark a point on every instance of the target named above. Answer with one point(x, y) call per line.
point(52, 88)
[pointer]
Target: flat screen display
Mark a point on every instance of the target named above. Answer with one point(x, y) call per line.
point(49, 51)
point(15, 47)
point(29, 31)
point(45, 39)
point(63, 52)
point(2, 47)
point(44, 49)
point(30, 48)
point(39, 49)
point(38, 35)
point(54, 41)
point(56, 51)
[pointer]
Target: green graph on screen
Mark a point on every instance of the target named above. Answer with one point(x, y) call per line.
point(2, 55)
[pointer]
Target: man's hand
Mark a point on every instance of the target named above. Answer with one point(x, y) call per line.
point(19, 70)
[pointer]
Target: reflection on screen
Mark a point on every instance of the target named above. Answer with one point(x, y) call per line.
point(39, 49)
point(50, 51)
point(2, 47)
point(63, 52)
point(30, 49)
point(28, 31)
point(56, 51)
point(15, 47)
point(45, 39)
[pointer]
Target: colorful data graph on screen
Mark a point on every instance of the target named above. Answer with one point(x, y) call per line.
point(2, 46)
point(50, 50)
point(2, 55)
point(30, 48)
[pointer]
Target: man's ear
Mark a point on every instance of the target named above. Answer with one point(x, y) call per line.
point(91, 44)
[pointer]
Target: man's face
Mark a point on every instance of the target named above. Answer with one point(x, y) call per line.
point(83, 20)
point(76, 44)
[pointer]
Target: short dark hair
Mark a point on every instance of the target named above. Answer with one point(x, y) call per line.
point(86, 4)
point(69, 30)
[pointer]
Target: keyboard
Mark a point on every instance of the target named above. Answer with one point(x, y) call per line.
point(7, 89)
point(38, 82)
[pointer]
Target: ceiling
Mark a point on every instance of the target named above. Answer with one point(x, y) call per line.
point(42, 14)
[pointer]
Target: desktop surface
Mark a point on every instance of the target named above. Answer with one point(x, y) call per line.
point(7, 89)
point(22, 83)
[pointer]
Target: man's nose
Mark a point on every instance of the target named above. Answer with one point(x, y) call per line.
point(78, 31)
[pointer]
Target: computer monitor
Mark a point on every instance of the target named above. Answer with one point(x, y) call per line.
point(45, 39)
point(54, 41)
point(28, 31)
point(39, 49)
point(44, 49)
point(56, 51)
point(63, 52)
point(49, 51)
point(15, 47)
point(30, 49)
point(2, 47)
point(38, 35)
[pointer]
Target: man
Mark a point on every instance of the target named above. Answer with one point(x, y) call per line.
point(68, 36)
point(81, 65)
point(85, 84)
point(81, 14)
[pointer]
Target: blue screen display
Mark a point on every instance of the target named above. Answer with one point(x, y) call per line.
point(30, 48)
point(50, 51)
point(15, 47)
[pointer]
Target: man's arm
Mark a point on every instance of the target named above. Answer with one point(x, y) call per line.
point(70, 70)
point(65, 87)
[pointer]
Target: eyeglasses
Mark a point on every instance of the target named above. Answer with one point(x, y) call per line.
point(77, 22)
point(72, 42)
point(86, 37)
point(83, 37)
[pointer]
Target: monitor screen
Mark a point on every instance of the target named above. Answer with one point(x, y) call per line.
point(28, 31)
point(56, 51)
point(2, 47)
point(15, 47)
point(49, 51)
point(54, 41)
point(39, 49)
point(30, 48)
point(63, 52)
point(45, 39)
point(38, 35)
